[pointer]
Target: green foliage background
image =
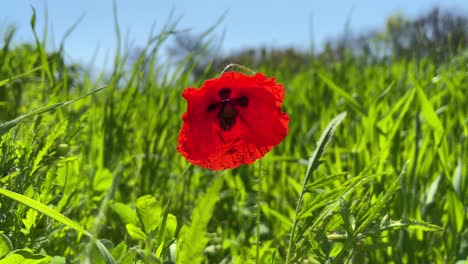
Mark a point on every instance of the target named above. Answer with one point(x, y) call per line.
point(391, 186)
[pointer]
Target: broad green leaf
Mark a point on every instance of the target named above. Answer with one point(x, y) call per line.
point(58, 260)
point(130, 257)
point(119, 251)
point(135, 232)
point(171, 225)
point(24, 256)
point(192, 239)
point(30, 220)
point(102, 180)
point(149, 211)
point(5, 245)
point(126, 213)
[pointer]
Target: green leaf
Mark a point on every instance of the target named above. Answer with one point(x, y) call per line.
point(411, 224)
point(5, 245)
point(149, 211)
point(430, 115)
point(325, 138)
point(102, 180)
point(457, 179)
point(271, 213)
point(25, 256)
point(408, 99)
point(129, 258)
point(119, 251)
point(168, 224)
point(30, 220)
point(192, 239)
point(348, 98)
point(126, 213)
point(401, 106)
point(135, 232)
point(33, 18)
point(375, 209)
point(456, 211)
point(44, 209)
point(432, 190)
point(58, 260)
point(314, 162)
point(171, 225)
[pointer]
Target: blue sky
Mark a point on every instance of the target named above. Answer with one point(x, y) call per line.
point(248, 23)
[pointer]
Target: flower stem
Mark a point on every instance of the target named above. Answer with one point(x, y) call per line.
point(259, 210)
point(293, 230)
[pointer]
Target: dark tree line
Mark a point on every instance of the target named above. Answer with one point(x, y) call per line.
point(438, 35)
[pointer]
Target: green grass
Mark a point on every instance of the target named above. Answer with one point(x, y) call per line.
point(385, 184)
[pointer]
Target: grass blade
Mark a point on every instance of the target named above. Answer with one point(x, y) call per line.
point(5, 127)
point(430, 115)
point(5, 81)
point(314, 162)
point(44, 209)
point(377, 207)
point(348, 98)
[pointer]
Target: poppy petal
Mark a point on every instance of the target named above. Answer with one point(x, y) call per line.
point(232, 120)
point(196, 142)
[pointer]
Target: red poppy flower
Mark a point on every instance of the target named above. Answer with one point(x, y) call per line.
point(232, 120)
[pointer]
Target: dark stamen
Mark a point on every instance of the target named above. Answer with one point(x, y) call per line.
point(224, 93)
point(211, 107)
point(242, 101)
point(227, 115)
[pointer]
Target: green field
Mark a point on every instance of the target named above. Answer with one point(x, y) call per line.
point(99, 179)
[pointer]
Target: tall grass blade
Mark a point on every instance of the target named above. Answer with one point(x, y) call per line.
point(430, 115)
point(44, 209)
point(5, 81)
point(5, 127)
point(314, 162)
point(382, 201)
point(348, 98)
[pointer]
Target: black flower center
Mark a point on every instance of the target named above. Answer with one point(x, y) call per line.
point(224, 94)
point(227, 113)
